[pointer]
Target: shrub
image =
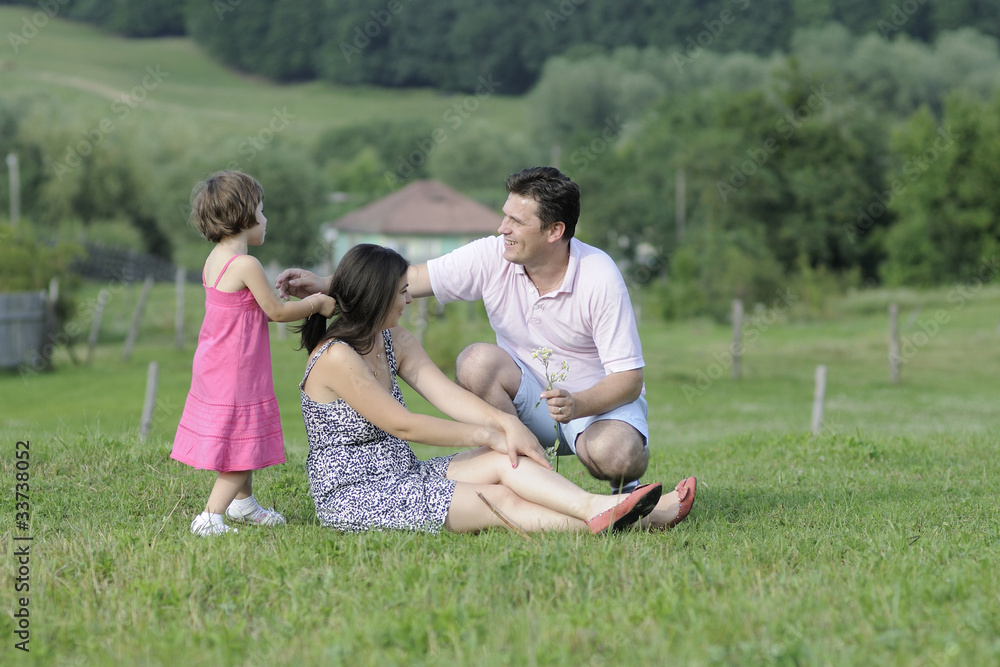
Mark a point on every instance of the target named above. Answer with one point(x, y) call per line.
point(712, 269)
point(27, 264)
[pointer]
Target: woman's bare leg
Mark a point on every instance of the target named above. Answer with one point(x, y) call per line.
point(468, 512)
point(530, 482)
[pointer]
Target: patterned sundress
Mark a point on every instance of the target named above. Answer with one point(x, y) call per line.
point(361, 478)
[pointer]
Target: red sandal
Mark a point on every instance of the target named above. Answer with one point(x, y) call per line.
point(636, 505)
point(685, 496)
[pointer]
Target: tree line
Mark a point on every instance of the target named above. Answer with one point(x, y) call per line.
point(855, 160)
point(848, 159)
point(450, 44)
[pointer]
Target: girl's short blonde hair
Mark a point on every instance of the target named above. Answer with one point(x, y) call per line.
point(225, 204)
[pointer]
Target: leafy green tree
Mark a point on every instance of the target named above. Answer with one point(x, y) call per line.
point(363, 174)
point(714, 267)
point(234, 33)
point(349, 54)
point(810, 13)
point(293, 35)
point(901, 75)
point(509, 57)
point(109, 184)
point(630, 189)
point(983, 15)
point(584, 96)
point(807, 161)
point(779, 174)
point(29, 149)
point(71, 170)
point(946, 193)
point(293, 197)
point(966, 59)
point(149, 18)
point(378, 156)
point(450, 44)
point(391, 138)
point(417, 52)
point(98, 12)
point(479, 157)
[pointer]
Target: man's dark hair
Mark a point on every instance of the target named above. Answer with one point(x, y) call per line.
point(558, 197)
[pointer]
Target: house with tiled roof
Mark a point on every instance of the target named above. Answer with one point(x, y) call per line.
point(424, 220)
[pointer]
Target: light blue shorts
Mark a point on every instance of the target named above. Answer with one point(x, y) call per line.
point(539, 422)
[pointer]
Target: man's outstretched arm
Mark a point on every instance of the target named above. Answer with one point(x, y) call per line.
point(420, 280)
point(301, 283)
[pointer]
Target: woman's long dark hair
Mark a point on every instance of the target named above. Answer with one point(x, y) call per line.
point(364, 287)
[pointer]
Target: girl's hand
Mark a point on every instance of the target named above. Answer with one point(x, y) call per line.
point(324, 304)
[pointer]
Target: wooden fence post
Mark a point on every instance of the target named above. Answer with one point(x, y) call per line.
point(179, 279)
point(15, 188)
point(819, 396)
point(152, 376)
point(95, 327)
point(51, 336)
point(737, 337)
point(420, 326)
point(894, 343)
point(133, 332)
point(680, 204)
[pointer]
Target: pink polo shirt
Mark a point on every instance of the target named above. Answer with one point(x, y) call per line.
point(588, 321)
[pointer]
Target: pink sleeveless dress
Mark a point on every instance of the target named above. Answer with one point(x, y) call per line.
point(230, 420)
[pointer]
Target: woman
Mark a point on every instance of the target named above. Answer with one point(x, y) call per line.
point(362, 473)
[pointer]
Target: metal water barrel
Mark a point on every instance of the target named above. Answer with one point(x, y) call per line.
point(22, 328)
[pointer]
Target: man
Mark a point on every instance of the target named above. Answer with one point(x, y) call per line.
point(543, 288)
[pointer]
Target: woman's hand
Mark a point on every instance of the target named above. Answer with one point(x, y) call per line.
point(516, 440)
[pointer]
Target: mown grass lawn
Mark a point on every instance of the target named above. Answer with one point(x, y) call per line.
point(875, 542)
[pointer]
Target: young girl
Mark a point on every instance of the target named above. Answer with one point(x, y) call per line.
point(230, 422)
point(363, 475)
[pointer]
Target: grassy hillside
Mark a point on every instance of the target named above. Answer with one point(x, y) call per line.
point(174, 115)
point(89, 70)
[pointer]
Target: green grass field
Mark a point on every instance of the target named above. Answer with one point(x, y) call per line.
point(90, 70)
point(872, 543)
point(875, 542)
